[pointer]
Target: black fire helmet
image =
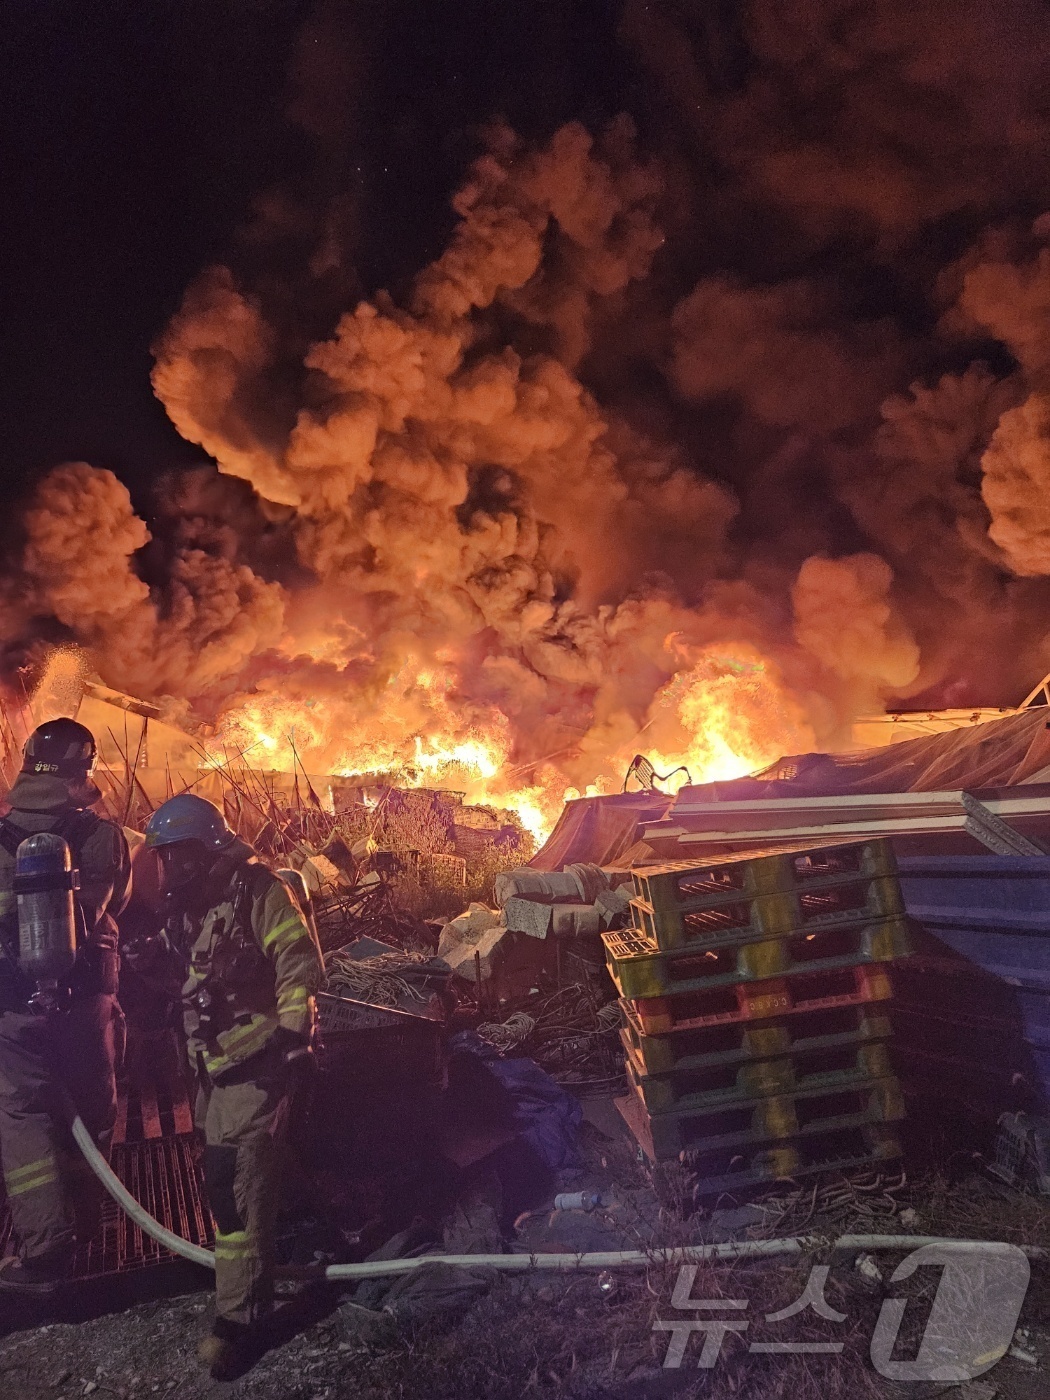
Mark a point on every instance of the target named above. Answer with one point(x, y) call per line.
point(62, 748)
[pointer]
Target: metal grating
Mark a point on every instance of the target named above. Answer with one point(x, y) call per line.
point(155, 1156)
point(163, 1175)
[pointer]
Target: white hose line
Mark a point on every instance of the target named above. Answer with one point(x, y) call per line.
point(127, 1202)
point(646, 1258)
point(612, 1259)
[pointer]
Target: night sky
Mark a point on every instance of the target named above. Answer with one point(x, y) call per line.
point(136, 136)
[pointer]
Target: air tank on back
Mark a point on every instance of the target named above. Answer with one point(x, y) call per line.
point(47, 932)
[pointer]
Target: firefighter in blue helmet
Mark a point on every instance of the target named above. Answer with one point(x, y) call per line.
point(68, 1052)
point(251, 967)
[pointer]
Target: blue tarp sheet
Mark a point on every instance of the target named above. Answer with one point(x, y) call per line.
point(546, 1116)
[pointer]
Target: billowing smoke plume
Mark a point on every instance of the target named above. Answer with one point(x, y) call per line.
point(701, 441)
point(81, 534)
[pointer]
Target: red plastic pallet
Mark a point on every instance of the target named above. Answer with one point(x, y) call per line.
point(762, 1001)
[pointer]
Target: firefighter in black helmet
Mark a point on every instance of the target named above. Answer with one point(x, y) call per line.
point(71, 1051)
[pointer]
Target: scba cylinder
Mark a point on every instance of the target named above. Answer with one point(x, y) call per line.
point(44, 884)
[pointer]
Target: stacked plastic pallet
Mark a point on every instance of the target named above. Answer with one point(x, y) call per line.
point(753, 991)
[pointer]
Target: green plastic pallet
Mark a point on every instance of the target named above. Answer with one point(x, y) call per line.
point(719, 1170)
point(801, 994)
point(721, 1126)
point(839, 1068)
point(734, 1043)
point(641, 969)
point(772, 915)
point(696, 884)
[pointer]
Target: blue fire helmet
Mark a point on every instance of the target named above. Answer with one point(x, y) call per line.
point(188, 818)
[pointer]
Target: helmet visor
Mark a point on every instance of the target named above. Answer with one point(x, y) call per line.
point(183, 864)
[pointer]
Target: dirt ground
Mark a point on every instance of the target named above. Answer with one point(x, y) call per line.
point(543, 1335)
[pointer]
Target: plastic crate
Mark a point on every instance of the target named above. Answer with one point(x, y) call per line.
point(735, 1042)
point(164, 1175)
point(736, 1126)
point(640, 969)
point(746, 874)
point(771, 915)
point(760, 1001)
point(375, 1046)
point(338, 1016)
point(387, 1059)
point(837, 1068)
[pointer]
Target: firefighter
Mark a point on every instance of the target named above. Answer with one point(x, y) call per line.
point(251, 967)
point(49, 1058)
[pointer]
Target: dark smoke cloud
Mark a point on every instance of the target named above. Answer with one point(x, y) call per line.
point(761, 365)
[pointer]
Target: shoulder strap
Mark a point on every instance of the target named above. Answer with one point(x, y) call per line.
point(76, 827)
point(11, 836)
point(259, 878)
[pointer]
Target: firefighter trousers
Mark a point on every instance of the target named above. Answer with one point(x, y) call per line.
point(46, 1063)
point(244, 1116)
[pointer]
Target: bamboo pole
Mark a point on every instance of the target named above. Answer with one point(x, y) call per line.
point(127, 768)
point(133, 779)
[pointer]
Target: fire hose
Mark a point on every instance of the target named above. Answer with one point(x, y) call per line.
point(612, 1259)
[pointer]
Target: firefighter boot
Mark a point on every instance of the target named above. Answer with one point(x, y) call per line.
point(41, 1277)
point(230, 1350)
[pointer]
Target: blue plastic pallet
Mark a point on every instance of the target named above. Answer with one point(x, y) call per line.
point(974, 1002)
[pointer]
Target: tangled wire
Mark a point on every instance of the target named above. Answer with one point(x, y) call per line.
point(608, 1018)
point(571, 1037)
point(867, 1196)
point(514, 1031)
point(377, 980)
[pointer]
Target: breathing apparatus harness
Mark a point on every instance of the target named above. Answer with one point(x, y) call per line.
point(235, 957)
point(39, 942)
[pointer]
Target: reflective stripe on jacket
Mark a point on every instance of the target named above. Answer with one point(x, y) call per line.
point(257, 962)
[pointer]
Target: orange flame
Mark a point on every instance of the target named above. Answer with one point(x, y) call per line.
point(726, 715)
